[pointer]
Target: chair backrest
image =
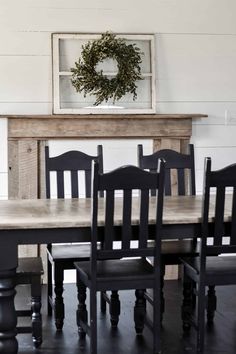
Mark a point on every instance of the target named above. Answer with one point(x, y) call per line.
point(126, 179)
point(182, 163)
point(72, 161)
point(214, 228)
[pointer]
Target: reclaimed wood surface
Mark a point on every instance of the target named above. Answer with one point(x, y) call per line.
point(71, 213)
point(41, 128)
point(102, 116)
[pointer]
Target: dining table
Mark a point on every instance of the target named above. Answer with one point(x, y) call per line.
point(43, 221)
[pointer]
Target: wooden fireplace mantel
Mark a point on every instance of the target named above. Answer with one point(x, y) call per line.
point(101, 126)
point(28, 134)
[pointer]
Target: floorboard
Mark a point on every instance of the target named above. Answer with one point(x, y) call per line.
point(220, 338)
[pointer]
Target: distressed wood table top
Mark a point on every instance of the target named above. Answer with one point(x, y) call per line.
point(45, 213)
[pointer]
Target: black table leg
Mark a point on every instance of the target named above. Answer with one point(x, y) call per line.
point(8, 318)
point(8, 342)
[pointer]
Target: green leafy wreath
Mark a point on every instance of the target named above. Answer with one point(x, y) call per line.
point(86, 78)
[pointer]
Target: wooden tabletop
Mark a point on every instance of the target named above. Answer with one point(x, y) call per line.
point(68, 213)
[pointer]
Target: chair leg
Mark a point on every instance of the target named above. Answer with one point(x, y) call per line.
point(49, 288)
point(139, 311)
point(211, 304)
point(93, 322)
point(201, 318)
point(187, 303)
point(59, 308)
point(114, 309)
point(103, 302)
point(81, 313)
point(162, 291)
point(194, 296)
point(36, 308)
point(157, 317)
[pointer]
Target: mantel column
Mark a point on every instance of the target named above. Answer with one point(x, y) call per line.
point(23, 165)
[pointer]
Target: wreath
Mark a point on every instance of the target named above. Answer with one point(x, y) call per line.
point(85, 77)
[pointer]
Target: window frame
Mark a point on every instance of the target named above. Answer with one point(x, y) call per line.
point(56, 74)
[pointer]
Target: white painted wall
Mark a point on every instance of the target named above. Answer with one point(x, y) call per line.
point(196, 66)
point(196, 56)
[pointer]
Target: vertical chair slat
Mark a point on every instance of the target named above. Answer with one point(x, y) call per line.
point(109, 220)
point(47, 173)
point(153, 191)
point(88, 184)
point(192, 171)
point(48, 185)
point(127, 211)
point(144, 211)
point(219, 216)
point(167, 182)
point(60, 184)
point(181, 182)
point(74, 184)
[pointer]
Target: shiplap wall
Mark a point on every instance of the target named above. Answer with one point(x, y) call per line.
point(196, 71)
point(195, 51)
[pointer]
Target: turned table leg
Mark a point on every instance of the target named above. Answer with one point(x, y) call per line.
point(8, 342)
point(8, 319)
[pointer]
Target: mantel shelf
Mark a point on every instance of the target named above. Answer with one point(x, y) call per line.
point(106, 116)
point(115, 126)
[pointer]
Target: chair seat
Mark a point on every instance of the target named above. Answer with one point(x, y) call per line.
point(128, 269)
point(29, 266)
point(173, 250)
point(169, 247)
point(70, 252)
point(179, 247)
point(222, 267)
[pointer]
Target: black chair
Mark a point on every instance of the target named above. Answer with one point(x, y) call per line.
point(207, 269)
point(63, 257)
point(107, 268)
point(183, 164)
point(29, 271)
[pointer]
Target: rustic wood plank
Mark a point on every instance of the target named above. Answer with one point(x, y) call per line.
point(184, 146)
point(102, 116)
point(156, 144)
point(99, 128)
point(71, 213)
point(13, 172)
point(23, 164)
point(27, 251)
point(173, 144)
point(28, 166)
point(41, 169)
point(172, 272)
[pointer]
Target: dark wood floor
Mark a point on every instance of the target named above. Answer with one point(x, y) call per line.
point(221, 338)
